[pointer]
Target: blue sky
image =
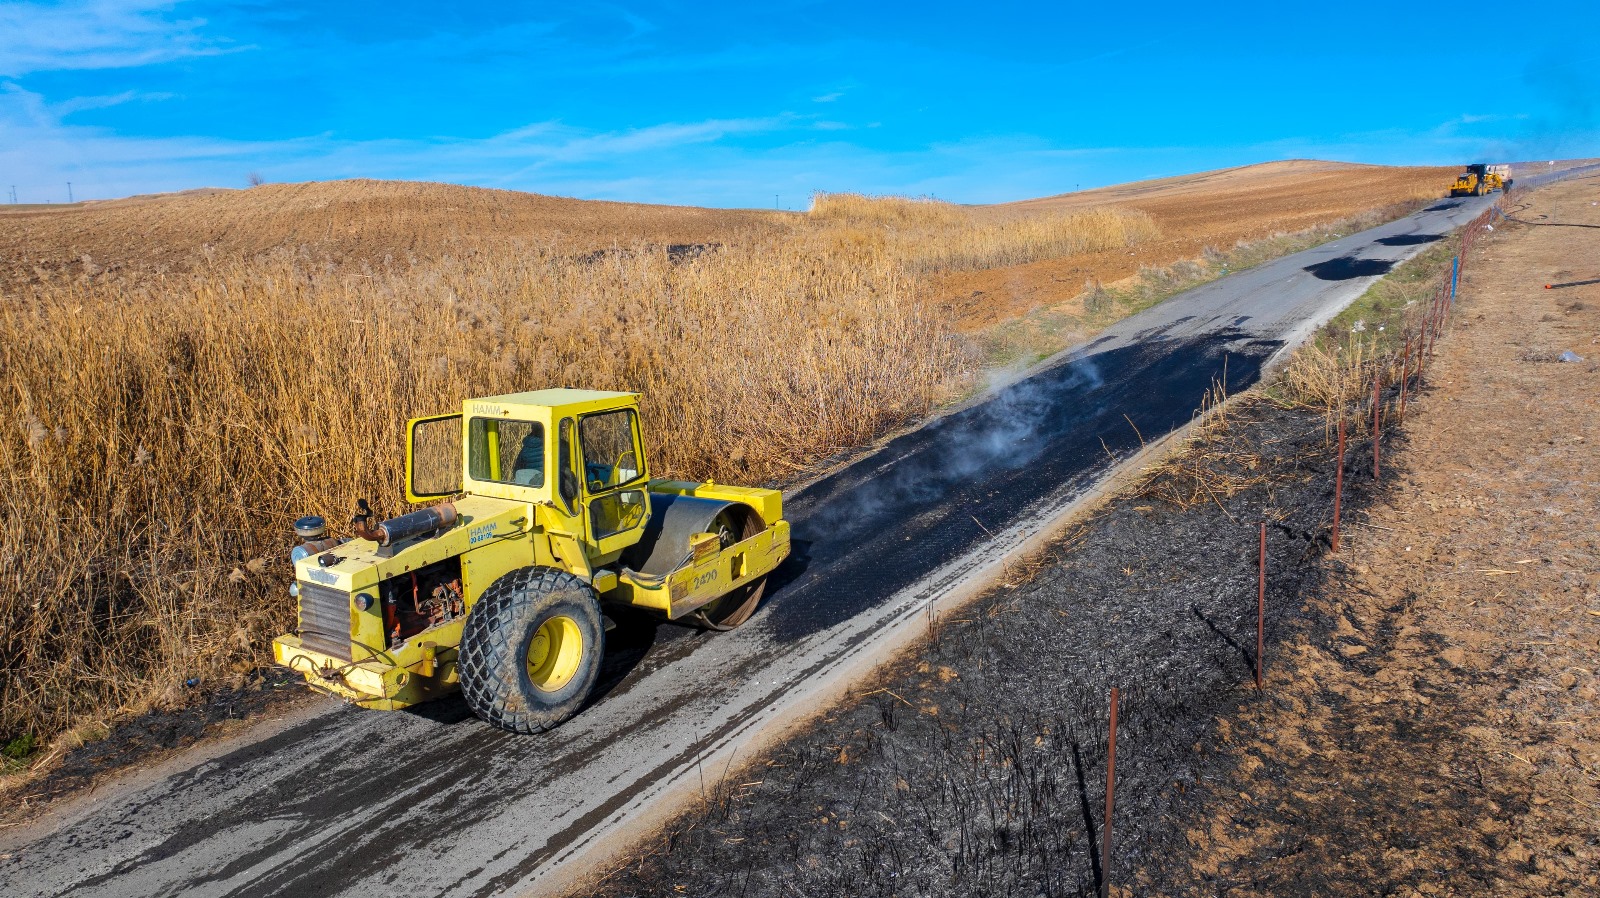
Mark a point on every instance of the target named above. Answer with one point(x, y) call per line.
point(719, 104)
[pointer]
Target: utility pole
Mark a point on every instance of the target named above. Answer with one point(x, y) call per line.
point(69, 191)
point(13, 194)
point(774, 202)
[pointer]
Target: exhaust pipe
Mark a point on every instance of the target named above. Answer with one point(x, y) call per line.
point(406, 526)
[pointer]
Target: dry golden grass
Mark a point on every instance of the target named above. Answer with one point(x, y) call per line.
point(934, 236)
point(170, 420)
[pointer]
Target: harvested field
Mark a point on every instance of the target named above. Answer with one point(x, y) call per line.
point(338, 221)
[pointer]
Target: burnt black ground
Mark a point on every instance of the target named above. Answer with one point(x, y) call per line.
point(975, 764)
point(150, 734)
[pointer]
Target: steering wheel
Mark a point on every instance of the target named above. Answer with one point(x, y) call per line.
point(616, 469)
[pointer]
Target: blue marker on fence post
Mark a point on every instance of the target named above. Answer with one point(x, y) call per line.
point(1455, 273)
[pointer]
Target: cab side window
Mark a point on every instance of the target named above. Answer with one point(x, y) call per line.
point(610, 447)
point(506, 451)
point(616, 512)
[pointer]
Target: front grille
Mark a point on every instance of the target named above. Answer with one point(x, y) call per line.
point(325, 620)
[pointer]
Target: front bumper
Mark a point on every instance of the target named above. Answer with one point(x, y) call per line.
point(370, 684)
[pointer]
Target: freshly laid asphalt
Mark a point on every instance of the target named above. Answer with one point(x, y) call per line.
point(433, 802)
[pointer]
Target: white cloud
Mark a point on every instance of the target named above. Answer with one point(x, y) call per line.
point(655, 137)
point(39, 152)
point(98, 34)
point(79, 104)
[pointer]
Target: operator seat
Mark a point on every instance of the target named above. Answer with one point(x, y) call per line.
point(528, 469)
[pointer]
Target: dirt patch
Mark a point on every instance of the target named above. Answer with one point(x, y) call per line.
point(1443, 738)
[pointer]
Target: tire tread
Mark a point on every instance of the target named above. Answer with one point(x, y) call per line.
point(489, 665)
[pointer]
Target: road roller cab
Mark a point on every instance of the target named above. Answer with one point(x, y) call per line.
point(501, 591)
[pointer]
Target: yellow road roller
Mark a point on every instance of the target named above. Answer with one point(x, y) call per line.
point(550, 519)
point(1480, 179)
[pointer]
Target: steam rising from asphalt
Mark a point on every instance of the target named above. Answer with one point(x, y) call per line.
point(1009, 431)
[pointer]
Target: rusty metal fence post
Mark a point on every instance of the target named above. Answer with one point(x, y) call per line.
point(1111, 795)
point(1405, 375)
point(1338, 482)
point(1377, 411)
point(1261, 610)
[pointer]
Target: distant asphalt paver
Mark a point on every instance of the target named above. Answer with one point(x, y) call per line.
point(433, 802)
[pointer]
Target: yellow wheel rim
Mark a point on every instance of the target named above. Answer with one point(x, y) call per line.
point(554, 653)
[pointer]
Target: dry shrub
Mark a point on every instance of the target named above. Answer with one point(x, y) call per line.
point(1329, 374)
point(1213, 463)
point(931, 235)
point(886, 211)
point(166, 428)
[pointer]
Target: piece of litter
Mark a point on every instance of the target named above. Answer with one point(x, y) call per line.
point(1569, 356)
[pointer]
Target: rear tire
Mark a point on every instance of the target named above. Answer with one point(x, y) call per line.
point(530, 649)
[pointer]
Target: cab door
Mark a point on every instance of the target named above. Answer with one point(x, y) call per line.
point(569, 479)
point(615, 478)
point(433, 457)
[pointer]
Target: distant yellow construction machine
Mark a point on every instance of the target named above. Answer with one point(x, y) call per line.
point(1480, 178)
point(504, 591)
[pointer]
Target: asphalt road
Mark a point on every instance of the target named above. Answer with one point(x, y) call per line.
point(347, 802)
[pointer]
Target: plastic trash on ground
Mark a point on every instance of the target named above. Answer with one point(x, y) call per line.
point(1569, 356)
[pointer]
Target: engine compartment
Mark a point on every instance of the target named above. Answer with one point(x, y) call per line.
point(421, 600)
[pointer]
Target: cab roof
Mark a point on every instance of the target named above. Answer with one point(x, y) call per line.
point(555, 397)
